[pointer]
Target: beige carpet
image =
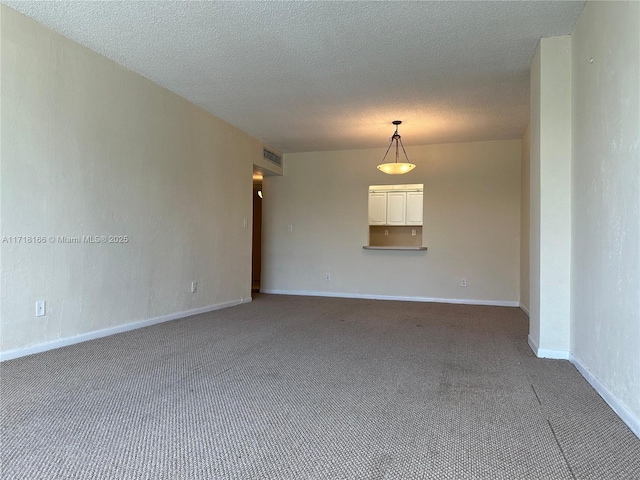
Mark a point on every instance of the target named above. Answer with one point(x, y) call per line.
point(311, 388)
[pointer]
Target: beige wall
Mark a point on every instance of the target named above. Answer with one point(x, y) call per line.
point(605, 300)
point(585, 101)
point(89, 148)
point(525, 205)
point(471, 225)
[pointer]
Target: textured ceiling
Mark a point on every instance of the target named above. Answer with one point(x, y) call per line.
point(305, 76)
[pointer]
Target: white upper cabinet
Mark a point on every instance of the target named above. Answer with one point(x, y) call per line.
point(395, 205)
point(396, 208)
point(377, 208)
point(414, 208)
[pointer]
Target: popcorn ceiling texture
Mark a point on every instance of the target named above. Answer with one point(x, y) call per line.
point(327, 76)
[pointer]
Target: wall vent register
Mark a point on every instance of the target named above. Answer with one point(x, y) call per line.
point(272, 157)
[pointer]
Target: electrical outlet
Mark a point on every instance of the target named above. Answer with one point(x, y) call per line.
point(413, 232)
point(386, 232)
point(327, 277)
point(40, 308)
point(290, 228)
point(463, 282)
point(246, 223)
point(194, 287)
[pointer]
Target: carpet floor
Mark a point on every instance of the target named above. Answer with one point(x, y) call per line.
point(311, 388)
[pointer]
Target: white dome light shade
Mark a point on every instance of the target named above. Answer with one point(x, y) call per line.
point(396, 168)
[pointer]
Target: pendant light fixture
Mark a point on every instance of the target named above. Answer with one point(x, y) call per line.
point(396, 168)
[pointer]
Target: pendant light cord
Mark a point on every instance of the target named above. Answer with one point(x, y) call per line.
point(396, 136)
point(389, 148)
point(405, 152)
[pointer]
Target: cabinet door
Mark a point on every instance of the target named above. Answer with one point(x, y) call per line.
point(377, 208)
point(414, 208)
point(396, 208)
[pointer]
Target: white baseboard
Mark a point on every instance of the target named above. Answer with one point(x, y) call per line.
point(463, 301)
point(63, 342)
point(616, 405)
point(547, 353)
point(524, 309)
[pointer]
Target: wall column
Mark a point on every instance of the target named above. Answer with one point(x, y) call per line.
point(550, 210)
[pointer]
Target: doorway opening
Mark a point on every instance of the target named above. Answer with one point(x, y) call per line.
point(256, 255)
point(260, 173)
